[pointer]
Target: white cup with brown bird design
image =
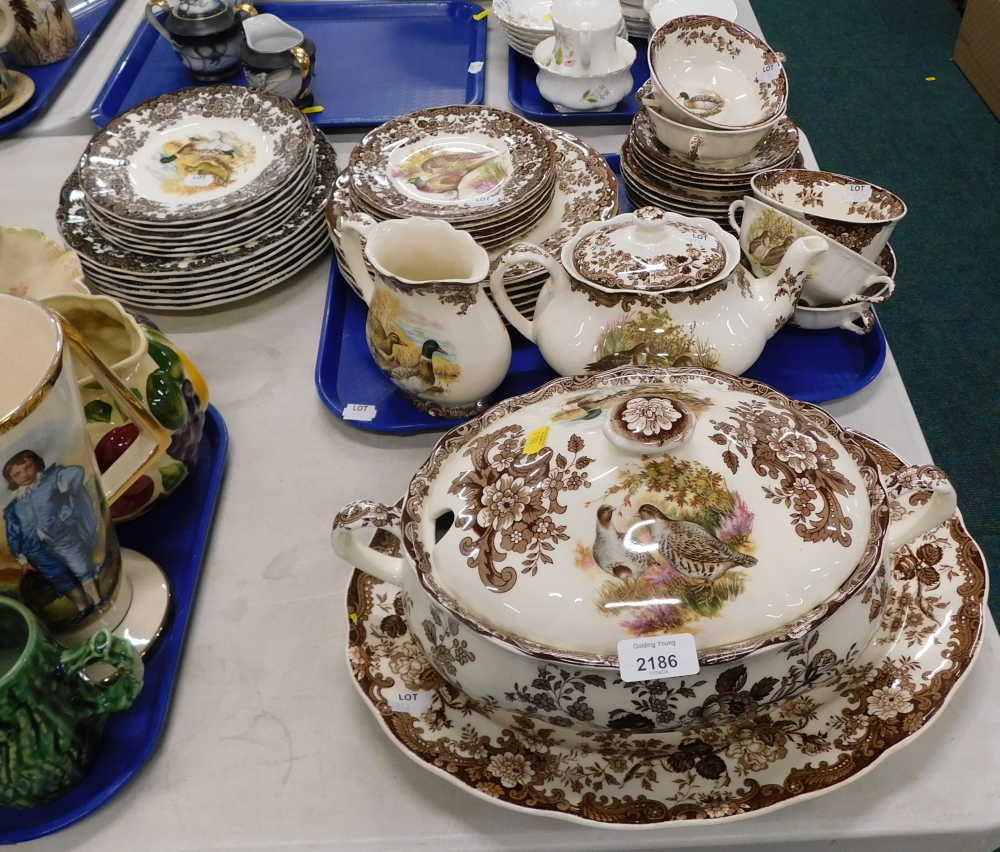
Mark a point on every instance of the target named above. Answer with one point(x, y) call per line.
point(430, 328)
point(838, 277)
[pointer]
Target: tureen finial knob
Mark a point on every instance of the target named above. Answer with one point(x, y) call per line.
point(649, 423)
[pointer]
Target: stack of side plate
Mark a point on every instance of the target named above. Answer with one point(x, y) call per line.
point(655, 175)
point(526, 23)
point(199, 197)
point(585, 190)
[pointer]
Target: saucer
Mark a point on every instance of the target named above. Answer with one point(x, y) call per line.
point(23, 87)
point(929, 635)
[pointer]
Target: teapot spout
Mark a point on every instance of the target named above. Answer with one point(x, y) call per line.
point(785, 283)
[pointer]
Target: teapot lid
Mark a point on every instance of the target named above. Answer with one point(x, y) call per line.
point(641, 502)
point(199, 9)
point(649, 250)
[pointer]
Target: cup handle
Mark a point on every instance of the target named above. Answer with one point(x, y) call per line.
point(354, 518)
point(863, 323)
point(888, 288)
point(152, 7)
point(114, 651)
point(738, 204)
point(586, 41)
point(302, 58)
point(693, 145)
point(927, 494)
point(153, 439)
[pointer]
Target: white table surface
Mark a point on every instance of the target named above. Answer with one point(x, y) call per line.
point(267, 745)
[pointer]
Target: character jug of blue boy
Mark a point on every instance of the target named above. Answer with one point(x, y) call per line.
point(58, 549)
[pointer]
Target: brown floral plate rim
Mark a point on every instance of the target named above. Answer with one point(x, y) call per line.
point(880, 731)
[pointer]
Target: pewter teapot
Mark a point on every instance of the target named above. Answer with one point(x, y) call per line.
point(654, 289)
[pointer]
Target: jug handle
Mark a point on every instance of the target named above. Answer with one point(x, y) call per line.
point(519, 253)
point(738, 204)
point(153, 440)
point(365, 514)
point(930, 500)
point(242, 11)
point(152, 7)
point(114, 651)
point(302, 58)
point(354, 230)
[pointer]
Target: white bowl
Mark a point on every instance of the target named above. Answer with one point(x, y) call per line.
point(702, 144)
point(584, 92)
point(856, 213)
point(715, 74)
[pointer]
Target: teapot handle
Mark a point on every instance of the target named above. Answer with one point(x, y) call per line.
point(354, 230)
point(152, 7)
point(354, 518)
point(520, 253)
point(928, 497)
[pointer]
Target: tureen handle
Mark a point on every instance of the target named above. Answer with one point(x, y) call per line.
point(521, 253)
point(350, 521)
point(927, 495)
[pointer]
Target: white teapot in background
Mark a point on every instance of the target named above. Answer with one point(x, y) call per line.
point(430, 328)
point(655, 289)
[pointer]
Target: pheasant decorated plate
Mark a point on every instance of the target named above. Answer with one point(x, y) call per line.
point(744, 762)
point(194, 153)
point(457, 163)
point(600, 519)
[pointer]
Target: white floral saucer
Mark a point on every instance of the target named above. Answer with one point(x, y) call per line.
point(748, 763)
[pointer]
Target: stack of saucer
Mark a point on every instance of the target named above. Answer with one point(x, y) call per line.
point(655, 175)
point(584, 187)
point(198, 198)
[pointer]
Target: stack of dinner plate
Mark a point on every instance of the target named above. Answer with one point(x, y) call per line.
point(199, 197)
point(490, 172)
point(656, 175)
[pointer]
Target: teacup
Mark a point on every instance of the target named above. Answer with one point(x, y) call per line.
point(583, 93)
point(856, 213)
point(59, 552)
point(51, 715)
point(839, 276)
point(585, 36)
point(278, 58)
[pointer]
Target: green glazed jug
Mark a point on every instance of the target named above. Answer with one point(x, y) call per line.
point(51, 714)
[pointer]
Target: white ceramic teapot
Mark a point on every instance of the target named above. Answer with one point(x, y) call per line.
point(654, 288)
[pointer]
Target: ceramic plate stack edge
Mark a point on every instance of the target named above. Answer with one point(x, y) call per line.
point(584, 189)
point(655, 175)
point(199, 198)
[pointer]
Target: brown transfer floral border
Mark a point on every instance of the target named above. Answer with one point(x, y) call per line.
point(890, 694)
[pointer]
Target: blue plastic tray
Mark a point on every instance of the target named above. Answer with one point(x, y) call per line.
point(374, 60)
point(174, 535)
point(814, 366)
point(90, 17)
point(524, 95)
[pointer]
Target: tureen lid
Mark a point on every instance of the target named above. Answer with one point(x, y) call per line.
point(649, 250)
point(641, 502)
